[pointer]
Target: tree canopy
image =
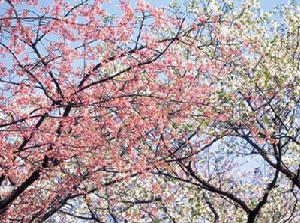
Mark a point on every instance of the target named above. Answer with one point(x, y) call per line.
point(184, 113)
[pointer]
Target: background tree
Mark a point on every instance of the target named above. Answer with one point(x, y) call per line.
point(261, 99)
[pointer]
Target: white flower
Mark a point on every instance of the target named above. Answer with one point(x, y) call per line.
point(255, 4)
point(213, 7)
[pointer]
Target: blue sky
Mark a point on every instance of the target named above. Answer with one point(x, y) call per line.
point(265, 4)
point(269, 4)
point(112, 7)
